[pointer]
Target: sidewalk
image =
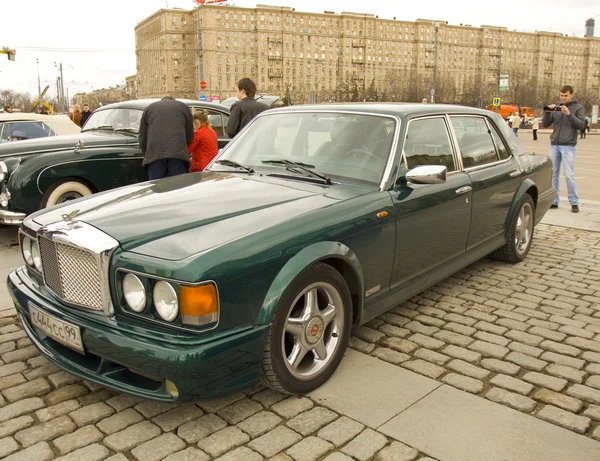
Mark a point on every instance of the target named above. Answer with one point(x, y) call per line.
point(588, 217)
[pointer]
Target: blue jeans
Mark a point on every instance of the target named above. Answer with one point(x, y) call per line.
point(166, 167)
point(516, 132)
point(566, 156)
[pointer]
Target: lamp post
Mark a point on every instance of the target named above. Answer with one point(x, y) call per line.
point(39, 86)
point(436, 26)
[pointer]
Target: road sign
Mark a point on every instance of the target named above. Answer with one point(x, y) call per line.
point(203, 85)
point(503, 83)
point(202, 97)
point(496, 102)
point(432, 92)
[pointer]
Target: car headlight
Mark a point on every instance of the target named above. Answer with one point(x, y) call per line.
point(165, 301)
point(26, 245)
point(35, 255)
point(134, 292)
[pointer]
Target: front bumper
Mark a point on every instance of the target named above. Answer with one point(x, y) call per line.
point(11, 217)
point(129, 362)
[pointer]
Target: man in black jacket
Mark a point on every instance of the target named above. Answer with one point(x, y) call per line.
point(85, 114)
point(246, 109)
point(166, 129)
point(568, 121)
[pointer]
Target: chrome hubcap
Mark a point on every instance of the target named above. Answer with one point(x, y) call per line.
point(313, 330)
point(68, 196)
point(524, 229)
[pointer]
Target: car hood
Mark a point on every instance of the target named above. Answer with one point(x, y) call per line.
point(89, 139)
point(176, 217)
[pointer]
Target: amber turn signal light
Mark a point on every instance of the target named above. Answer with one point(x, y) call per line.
point(199, 305)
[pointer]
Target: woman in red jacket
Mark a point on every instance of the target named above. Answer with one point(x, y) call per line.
point(205, 145)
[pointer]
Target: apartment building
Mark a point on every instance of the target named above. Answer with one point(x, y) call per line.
point(315, 55)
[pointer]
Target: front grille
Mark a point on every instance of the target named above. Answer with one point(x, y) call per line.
point(71, 273)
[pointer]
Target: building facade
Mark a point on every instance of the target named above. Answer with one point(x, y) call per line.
point(326, 56)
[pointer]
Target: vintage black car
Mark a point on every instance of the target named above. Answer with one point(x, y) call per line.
point(39, 173)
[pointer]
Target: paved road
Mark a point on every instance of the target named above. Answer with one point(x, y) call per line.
point(587, 162)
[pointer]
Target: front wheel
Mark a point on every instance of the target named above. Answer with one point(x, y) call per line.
point(309, 332)
point(520, 235)
point(63, 192)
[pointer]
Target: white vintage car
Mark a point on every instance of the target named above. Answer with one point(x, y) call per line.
point(29, 126)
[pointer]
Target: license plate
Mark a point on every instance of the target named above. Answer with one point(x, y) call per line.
point(63, 332)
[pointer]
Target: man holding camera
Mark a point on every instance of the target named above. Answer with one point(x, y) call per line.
point(568, 118)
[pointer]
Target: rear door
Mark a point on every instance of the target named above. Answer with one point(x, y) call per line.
point(494, 175)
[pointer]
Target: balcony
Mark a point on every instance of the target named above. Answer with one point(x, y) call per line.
point(275, 40)
point(358, 60)
point(275, 58)
point(275, 73)
point(358, 43)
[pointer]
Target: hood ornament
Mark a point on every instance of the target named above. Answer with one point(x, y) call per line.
point(70, 216)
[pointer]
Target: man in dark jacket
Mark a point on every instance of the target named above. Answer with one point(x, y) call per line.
point(568, 121)
point(166, 129)
point(245, 109)
point(85, 114)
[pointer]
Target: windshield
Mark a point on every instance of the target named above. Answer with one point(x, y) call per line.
point(118, 119)
point(339, 145)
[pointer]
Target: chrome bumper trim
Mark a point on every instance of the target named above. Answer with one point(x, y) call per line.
point(11, 217)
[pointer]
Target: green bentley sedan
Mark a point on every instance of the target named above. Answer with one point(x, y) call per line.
point(311, 221)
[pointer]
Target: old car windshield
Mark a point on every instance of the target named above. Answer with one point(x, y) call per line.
point(338, 145)
point(117, 119)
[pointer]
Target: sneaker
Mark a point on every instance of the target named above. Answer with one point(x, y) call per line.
point(554, 205)
point(575, 208)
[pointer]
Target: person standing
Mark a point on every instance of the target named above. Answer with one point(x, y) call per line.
point(535, 125)
point(8, 109)
point(245, 109)
point(516, 123)
point(76, 115)
point(567, 121)
point(166, 130)
point(205, 145)
point(85, 114)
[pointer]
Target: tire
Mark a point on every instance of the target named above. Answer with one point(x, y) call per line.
point(520, 235)
point(63, 192)
point(316, 334)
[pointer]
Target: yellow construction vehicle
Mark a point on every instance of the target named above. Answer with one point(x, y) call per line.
point(43, 103)
point(9, 52)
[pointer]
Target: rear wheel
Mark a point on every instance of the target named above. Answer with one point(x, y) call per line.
point(63, 192)
point(520, 235)
point(309, 332)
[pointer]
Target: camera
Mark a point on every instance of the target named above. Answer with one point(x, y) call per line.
point(556, 107)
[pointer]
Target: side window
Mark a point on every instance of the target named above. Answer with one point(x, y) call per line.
point(474, 141)
point(500, 146)
point(428, 143)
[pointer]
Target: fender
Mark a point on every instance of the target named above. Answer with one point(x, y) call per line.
point(525, 186)
point(303, 259)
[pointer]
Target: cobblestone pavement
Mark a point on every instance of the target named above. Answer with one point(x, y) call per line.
point(526, 336)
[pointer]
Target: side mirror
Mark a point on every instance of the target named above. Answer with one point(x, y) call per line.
point(427, 174)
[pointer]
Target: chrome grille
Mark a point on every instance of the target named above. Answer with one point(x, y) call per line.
point(71, 273)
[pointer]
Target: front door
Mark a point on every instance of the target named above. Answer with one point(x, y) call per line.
point(494, 173)
point(432, 220)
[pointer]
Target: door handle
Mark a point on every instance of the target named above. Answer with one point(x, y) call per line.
point(464, 190)
point(515, 174)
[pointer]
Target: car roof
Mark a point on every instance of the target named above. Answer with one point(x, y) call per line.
point(398, 109)
point(63, 124)
point(267, 99)
point(141, 104)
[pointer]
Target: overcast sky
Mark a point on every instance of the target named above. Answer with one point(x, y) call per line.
point(95, 41)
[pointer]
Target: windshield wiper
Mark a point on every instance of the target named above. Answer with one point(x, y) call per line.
point(127, 130)
point(234, 164)
point(301, 166)
point(102, 127)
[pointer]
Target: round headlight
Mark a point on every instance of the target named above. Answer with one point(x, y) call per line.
point(134, 292)
point(35, 254)
point(26, 249)
point(165, 301)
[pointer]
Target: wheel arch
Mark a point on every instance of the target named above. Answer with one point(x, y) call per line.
point(527, 187)
point(336, 255)
point(62, 180)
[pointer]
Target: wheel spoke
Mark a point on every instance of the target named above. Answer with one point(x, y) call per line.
point(298, 353)
point(320, 350)
point(311, 303)
point(294, 327)
point(328, 314)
